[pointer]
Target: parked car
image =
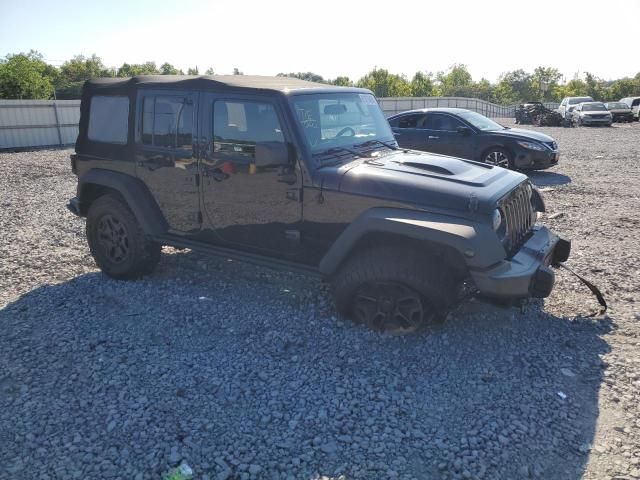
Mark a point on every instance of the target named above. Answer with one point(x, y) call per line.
point(620, 111)
point(591, 113)
point(305, 177)
point(634, 105)
point(466, 134)
point(569, 103)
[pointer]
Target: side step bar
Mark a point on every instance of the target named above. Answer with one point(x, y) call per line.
point(252, 258)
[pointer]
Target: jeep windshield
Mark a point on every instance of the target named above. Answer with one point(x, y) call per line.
point(341, 122)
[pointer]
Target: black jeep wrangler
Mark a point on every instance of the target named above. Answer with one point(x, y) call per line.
point(306, 176)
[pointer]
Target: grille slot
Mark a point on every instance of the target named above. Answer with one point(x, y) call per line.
point(519, 215)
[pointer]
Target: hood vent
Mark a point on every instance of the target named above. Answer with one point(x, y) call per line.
point(429, 167)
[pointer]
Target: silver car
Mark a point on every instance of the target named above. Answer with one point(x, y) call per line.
point(591, 113)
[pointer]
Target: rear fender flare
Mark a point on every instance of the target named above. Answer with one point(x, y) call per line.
point(134, 192)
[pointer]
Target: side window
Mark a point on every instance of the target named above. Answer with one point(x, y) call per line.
point(410, 121)
point(238, 126)
point(167, 121)
point(636, 102)
point(109, 119)
point(442, 122)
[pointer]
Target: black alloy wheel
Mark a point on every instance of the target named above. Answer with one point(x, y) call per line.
point(390, 307)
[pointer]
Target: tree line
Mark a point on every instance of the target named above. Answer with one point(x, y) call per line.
point(29, 76)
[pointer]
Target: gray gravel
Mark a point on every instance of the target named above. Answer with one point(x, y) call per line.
point(242, 372)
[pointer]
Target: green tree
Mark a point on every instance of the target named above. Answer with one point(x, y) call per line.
point(26, 75)
point(422, 85)
point(576, 87)
point(131, 70)
point(342, 82)
point(544, 78)
point(625, 87)
point(236, 71)
point(74, 72)
point(209, 71)
point(193, 71)
point(457, 82)
point(168, 69)
point(483, 89)
point(385, 84)
point(514, 87)
point(308, 76)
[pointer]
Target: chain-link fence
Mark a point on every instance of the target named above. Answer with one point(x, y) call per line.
point(393, 105)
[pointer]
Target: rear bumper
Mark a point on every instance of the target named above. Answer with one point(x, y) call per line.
point(529, 272)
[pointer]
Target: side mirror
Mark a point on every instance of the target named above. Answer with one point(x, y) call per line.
point(271, 154)
point(464, 130)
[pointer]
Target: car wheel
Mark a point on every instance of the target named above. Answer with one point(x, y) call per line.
point(116, 240)
point(393, 290)
point(498, 157)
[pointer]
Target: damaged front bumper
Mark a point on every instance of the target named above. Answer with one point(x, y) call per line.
point(528, 273)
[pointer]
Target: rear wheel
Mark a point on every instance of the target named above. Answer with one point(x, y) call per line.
point(498, 157)
point(393, 290)
point(117, 241)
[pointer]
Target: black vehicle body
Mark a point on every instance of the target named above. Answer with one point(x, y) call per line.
point(620, 112)
point(294, 208)
point(463, 140)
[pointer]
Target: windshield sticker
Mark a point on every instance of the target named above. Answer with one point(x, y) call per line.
point(306, 118)
point(368, 99)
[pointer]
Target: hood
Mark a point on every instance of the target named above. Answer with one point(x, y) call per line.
point(429, 180)
point(521, 133)
point(620, 110)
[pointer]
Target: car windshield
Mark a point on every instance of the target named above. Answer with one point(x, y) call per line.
point(573, 101)
point(617, 105)
point(480, 121)
point(340, 121)
point(593, 107)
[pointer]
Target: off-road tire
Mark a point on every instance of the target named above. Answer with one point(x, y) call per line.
point(110, 222)
point(396, 265)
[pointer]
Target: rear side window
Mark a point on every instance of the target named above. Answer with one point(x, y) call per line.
point(167, 121)
point(408, 121)
point(109, 119)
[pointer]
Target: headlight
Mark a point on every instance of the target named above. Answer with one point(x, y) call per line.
point(497, 218)
point(499, 223)
point(532, 146)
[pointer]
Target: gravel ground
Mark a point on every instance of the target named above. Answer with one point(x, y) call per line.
point(242, 372)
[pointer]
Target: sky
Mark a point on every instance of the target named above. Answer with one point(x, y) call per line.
point(331, 38)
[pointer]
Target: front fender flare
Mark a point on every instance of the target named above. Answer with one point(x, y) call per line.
point(134, 192)
point(476, 242)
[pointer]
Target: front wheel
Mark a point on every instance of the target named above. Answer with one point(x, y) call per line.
point(116, 240)
point(498, 157)
point(393, 290)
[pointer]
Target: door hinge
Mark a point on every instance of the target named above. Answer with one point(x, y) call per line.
point(199, 217)
point(197, 179)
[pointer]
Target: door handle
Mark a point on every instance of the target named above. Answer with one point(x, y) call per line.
point(395, 134)
point(432, 137)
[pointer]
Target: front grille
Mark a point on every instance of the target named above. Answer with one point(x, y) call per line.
point(519, 215)
point(598, 117)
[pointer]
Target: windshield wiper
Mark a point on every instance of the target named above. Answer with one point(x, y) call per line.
point(336, 150)
point(379, 142)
